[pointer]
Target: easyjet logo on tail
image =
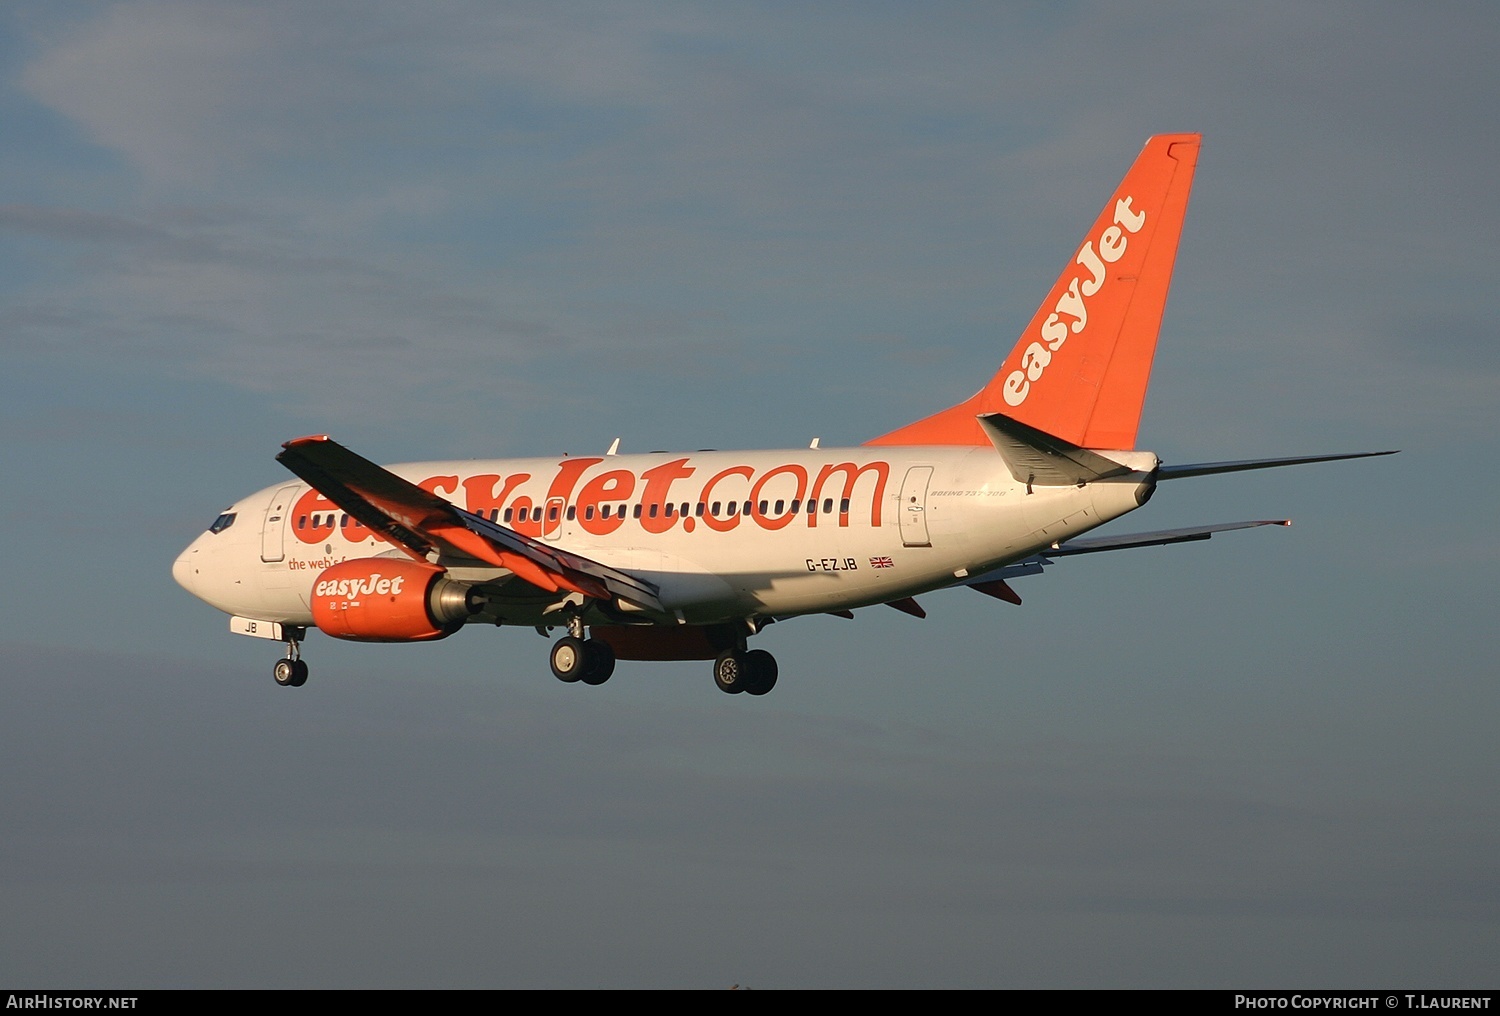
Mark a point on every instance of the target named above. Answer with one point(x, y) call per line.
point(1070, 315)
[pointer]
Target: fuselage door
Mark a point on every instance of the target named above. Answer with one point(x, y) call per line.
point(272, 531)
point(914, 507)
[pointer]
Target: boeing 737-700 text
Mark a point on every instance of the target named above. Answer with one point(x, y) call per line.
point(686, 557)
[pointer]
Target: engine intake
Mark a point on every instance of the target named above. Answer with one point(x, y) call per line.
point(390, 600)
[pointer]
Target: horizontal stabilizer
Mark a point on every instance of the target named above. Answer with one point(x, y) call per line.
point(1034, 456)
point(1160, 538)
point(1209, 468)
point(1034, 564)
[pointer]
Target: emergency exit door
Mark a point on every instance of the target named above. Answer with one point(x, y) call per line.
point(914, 507)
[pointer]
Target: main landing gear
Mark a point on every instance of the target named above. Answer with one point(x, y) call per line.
point(292, 671)
point(575, 658)
point(753, 672)
point(590, 661)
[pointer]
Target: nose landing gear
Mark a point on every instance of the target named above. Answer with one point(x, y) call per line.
point(292, 671)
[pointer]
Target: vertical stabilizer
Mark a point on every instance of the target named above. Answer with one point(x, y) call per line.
point(1081, 367)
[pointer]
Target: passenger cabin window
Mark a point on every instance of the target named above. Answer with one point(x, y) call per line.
point(844, 506)
point(508, 513)
point(828, 506)
point(573, 512)
point(637, 512)
point(222, 523)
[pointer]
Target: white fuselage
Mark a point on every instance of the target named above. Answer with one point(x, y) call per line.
point(724, 535)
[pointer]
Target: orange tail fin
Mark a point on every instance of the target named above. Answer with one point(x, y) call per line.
point(1081, 368)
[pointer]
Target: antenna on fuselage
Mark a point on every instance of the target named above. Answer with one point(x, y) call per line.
point(815, 442)
point(614, 448)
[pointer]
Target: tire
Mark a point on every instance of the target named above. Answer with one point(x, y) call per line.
point(569, 659)
point(285, 673)
point(763, 672)
point(599, 661)
point(730, 672)
point(299, 673)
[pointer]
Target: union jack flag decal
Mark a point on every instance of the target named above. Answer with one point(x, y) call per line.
point(882, 562)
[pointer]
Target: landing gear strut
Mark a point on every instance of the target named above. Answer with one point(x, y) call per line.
point(292, 671)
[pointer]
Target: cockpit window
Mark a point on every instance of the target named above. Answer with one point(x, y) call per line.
point(222, 523)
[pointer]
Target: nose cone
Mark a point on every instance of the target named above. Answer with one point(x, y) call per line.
point(184, 570)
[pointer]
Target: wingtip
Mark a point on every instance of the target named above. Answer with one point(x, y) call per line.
point(309, 439)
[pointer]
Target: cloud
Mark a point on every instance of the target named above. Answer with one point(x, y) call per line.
point(156, 81)
point(533, 208)
point(512, 225)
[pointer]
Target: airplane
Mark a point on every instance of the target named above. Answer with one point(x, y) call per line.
point(674, 556)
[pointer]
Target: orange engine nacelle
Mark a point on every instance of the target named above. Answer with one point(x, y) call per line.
point(390, 600)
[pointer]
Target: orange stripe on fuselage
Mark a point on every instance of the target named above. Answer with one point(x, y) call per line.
point(675, 482)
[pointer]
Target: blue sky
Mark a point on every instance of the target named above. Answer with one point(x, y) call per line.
point(465, 229)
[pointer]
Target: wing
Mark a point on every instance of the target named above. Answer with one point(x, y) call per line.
point(420, 522)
